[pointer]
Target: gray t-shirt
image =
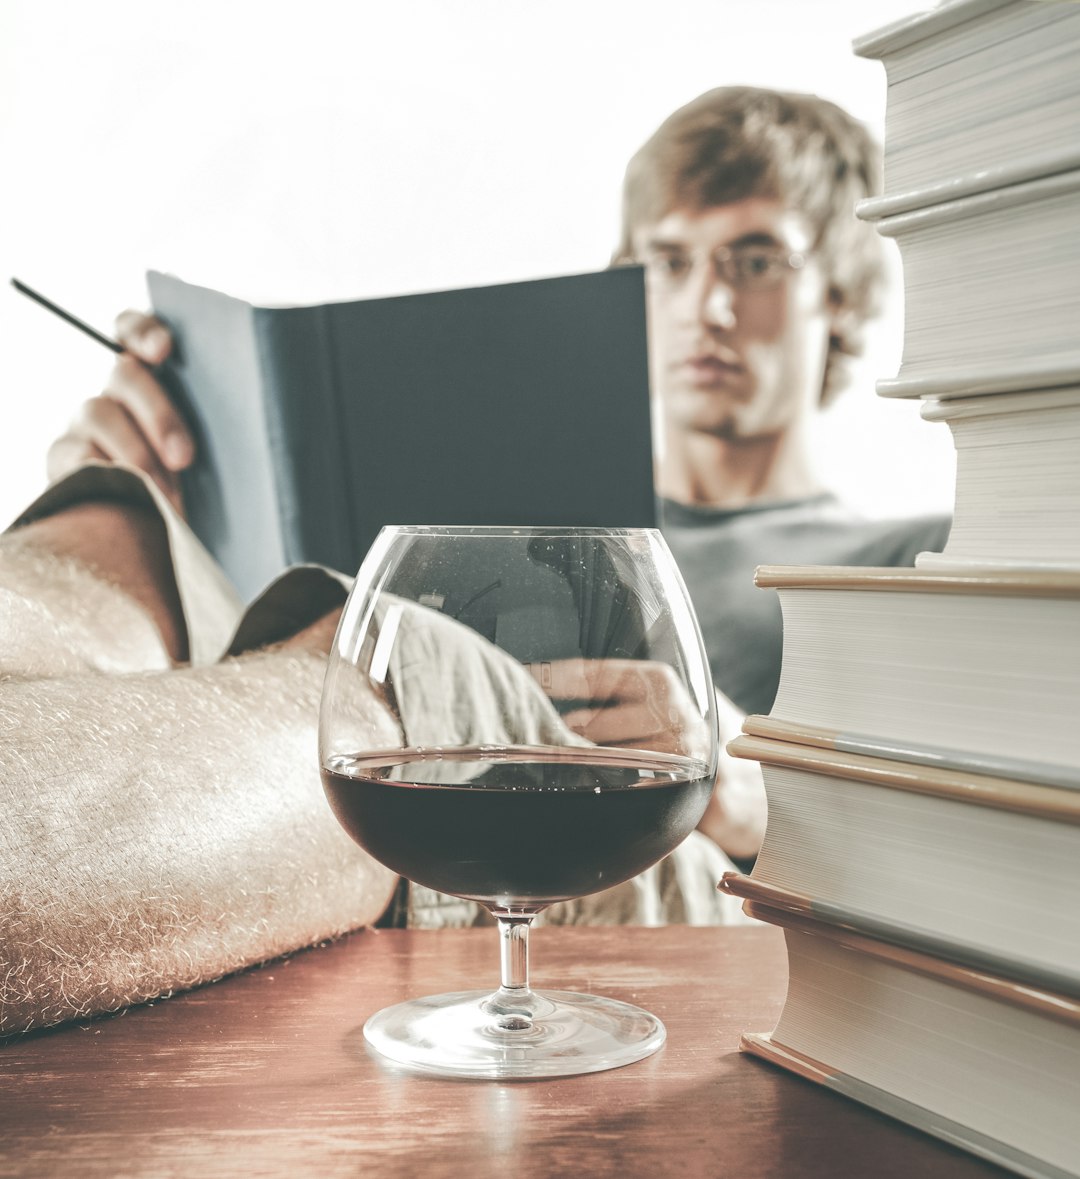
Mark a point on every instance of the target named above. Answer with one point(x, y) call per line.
point(718, 550)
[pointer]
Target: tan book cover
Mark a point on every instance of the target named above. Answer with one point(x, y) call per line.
point(816, 750)
point(1005, 582)
point(776, 906)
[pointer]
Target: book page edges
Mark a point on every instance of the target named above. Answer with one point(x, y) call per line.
point(1046, 802)
point(1039, 1000)
point(763, 1046)
point(1025, 582)
point(946, 563)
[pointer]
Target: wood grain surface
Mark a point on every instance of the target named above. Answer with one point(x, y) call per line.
point(266, 1074)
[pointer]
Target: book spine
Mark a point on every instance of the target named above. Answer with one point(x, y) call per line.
point(304, 433)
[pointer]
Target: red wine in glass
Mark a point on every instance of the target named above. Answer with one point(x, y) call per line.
point(583, 819)
point(517, 716)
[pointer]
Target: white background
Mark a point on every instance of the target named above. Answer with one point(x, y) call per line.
point(323, 149)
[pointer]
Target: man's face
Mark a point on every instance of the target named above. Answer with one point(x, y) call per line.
point(739, 320)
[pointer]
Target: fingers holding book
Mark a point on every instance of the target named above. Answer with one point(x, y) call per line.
point(133, 420)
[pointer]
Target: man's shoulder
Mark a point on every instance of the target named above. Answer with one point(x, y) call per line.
point(897, 541)
point(845, 537)
point(817, 530)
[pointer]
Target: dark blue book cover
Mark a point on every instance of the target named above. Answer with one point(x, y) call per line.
point(515, 404)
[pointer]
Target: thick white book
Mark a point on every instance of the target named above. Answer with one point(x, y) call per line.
point(980, 870)
point(1017, 500)
point(973, 670)
point(991, 291)
point(980, 93)
point(967, 1056)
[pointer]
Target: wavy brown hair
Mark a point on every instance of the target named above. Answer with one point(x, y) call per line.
point(741, 141)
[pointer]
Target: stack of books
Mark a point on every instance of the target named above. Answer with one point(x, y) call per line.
point(982, 179)
point(922, 757)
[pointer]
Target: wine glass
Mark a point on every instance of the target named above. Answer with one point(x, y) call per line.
point(517, 717)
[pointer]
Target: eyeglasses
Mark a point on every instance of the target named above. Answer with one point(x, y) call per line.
point(751, 267)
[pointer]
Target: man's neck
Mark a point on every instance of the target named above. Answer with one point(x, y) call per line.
point(702, 470)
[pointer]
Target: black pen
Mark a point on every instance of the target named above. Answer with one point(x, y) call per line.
point(74, 320)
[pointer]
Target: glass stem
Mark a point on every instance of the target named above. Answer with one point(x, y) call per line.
point(512, 1005)
point(514, 951)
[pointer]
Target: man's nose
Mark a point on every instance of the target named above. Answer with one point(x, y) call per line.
point(717, 302)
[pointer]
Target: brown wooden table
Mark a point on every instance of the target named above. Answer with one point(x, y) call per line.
point(266, 1074)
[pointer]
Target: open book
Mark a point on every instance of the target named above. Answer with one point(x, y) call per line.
point(520, 404)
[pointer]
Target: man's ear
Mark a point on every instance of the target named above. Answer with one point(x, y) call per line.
point(844, 324)
point(845, 339)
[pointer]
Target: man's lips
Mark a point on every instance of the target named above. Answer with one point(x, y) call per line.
point(708, 369)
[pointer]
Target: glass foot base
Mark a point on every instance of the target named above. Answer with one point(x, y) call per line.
point(504, 1037)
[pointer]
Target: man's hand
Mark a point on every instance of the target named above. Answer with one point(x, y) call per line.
point(626, 702)
point(132, 420)
point(737, 812)
point(636, 703)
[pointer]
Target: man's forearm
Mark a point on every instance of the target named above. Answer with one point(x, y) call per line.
point(90, 588)
point(171, 829)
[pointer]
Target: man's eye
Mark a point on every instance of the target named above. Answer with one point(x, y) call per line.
point(756, 263)
point(671, 265)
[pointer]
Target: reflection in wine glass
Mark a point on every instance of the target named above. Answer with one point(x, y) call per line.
point(561, 738)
